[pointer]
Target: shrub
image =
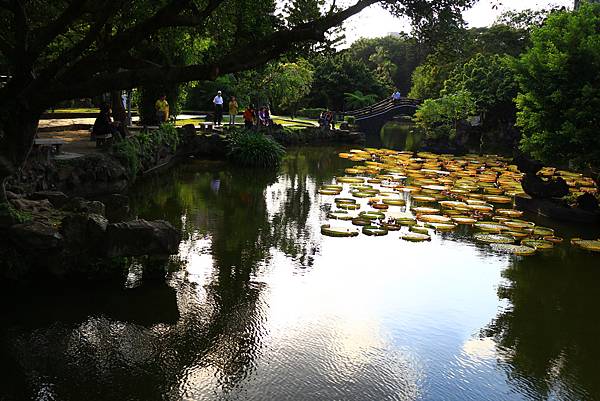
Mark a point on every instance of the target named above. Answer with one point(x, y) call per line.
point(310, 113)
point(254, 149)
point(140, 151)
point(350, 119)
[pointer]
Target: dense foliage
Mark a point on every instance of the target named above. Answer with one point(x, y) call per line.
point(440, 118)
point(559, 94)
point(141, 151)
point(253, 148)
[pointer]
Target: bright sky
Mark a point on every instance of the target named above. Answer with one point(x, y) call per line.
point(375, 21)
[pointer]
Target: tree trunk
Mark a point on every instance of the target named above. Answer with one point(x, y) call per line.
point(18, 126)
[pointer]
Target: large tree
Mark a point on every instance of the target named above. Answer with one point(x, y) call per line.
point(559, 89)
point(57, 50)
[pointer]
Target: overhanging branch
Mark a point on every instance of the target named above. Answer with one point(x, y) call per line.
point(241, 59)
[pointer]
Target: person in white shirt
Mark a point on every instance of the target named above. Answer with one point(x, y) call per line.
point(396, 95)
point(218, 102)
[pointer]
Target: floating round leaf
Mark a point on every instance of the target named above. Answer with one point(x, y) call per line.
point(419, 229)
point(498, 199)
point(392, 227)
point(425, 210)
point(350, 180)
point(494, 238)
point(362, 194)
point(519, 224)
point(490, 226)
point(374, 230)
point(415, 237)
point(518, 234)
point(543, 231)
point(464, 220)
point(520, 250)
point(394, 202)
point(372, 215)
point(538, 243)
point(340, 215)
point(434, 218)
point(329, 192)
point(332, 187)
point(509, 212)
point(348, 206)
point(344, 200)
point(380, 206)
point(553, 239)
point(423, 198)
point(441, 226)
point(326, 229)
point(452, 204)
point(587, 244)
point(359, 221)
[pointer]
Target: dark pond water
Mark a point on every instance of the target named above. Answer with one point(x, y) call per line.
point(258, 305)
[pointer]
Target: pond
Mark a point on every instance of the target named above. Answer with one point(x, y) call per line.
point(259, 305)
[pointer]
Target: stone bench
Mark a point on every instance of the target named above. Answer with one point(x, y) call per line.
point(54, 145)
point(103, 140)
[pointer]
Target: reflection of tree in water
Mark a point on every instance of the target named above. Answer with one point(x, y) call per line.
point(93, 353)
point(549, 336)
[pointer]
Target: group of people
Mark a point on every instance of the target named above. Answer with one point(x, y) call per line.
point(252, 116)
point(326, 120)
point(104, 125)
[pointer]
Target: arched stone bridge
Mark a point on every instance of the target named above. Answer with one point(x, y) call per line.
point(372, 118)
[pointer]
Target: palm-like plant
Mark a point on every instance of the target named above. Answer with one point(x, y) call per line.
point(357, 99)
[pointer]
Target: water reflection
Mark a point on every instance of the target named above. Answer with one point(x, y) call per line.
point(259, 306)
point(549, 334)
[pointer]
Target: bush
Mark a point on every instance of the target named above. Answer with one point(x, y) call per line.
point(254, 149)
point(350, 119)
point(140, 151)
point(310, 113)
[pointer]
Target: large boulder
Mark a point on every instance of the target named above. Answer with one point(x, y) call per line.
point(141, 237)
point(56, 198)
point(85, 232)
point(34, 236)
point(80, 205)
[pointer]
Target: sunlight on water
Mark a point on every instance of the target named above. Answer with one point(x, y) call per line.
point(258, 305)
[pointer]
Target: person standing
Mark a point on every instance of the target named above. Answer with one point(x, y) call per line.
point(396, 95)
point(233, 110)
point(249, 115)
point(218, 102)
point(162, 109)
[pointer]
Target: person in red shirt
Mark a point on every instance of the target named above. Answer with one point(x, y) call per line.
point(249, 116)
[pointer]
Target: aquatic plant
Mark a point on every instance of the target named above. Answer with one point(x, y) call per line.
point(254, 149)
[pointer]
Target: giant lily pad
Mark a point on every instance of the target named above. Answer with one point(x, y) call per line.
point(415, 237)
point(521, 250)
point(374, 230)
point(326, 229)
point(587, 244)
point(494, 238)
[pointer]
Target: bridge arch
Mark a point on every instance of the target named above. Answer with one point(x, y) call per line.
point(372, 118)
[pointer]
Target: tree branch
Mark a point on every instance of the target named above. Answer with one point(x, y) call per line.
point(45, 35)
point(241, 59)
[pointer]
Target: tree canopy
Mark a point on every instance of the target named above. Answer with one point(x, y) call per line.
point(559, 89)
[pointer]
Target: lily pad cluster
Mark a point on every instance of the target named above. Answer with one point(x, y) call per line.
point(424, 193)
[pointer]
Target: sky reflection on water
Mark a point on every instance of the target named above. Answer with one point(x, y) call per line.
point(260, 306)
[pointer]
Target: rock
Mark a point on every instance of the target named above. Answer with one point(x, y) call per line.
point(11, 195)
point(80, 205)
point(344, 126)
point(86, 231)
point(56, 198)
point(587, 202)
point(35, 206)
point(141, 237)
point(33, 236)
point(538, 188)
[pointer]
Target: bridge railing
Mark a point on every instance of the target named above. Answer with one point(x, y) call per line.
point(381, 107)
